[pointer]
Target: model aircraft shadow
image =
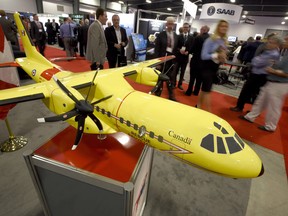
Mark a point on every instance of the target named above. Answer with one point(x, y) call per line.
point(175, 189)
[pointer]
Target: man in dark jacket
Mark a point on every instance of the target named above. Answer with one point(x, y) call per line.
point(195, 63)
point(182, 51)
point(82, 37)
point(116, 40)
point(38, 34)
point(9, 29)
point(165, 44)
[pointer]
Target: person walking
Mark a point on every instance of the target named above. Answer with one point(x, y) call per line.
point(214, 53)
point(272, 95)
point(67, 35)
point(257, 78)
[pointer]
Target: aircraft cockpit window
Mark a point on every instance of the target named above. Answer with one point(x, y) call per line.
point(239, 140)
point(233, 146)
point(224, 131)
point(220, 146)
point(208, 142)
point(217, 125)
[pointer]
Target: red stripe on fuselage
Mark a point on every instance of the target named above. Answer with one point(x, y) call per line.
point(47, 74)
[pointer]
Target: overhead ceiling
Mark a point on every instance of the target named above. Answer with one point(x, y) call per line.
point(273, 8)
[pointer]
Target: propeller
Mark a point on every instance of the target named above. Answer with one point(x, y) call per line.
point(83, 109)
point(162, 77)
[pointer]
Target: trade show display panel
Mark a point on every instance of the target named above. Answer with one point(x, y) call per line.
point(100, 177)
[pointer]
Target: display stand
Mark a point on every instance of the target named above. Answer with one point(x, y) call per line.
point(101, 177)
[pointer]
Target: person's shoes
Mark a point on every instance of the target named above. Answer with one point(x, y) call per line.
point(195, 93)
point(180, 87)
point(82, 56)
point(243, 118)
point(262, 127)
point(188, 93)
point(236, 109)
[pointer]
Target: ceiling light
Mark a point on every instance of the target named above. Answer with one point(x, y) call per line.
point(282, 23)
point(121, 2)
point(200, 9)
point(244, 16)
point(148, 1)
point(233, 1)
point(180, 14)
point(245, 12)
point(169, 9)
point(286, 18)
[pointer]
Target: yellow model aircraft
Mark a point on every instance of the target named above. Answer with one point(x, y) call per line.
point(108, 104)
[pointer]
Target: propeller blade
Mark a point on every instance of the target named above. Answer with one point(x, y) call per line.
point(102, 99)
point(92, 83)
point(157, 88)
point(81, 123)
point(61, 117)
point(97, 122)
point(63, 88)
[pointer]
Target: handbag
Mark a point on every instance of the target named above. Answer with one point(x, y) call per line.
point(73, 42)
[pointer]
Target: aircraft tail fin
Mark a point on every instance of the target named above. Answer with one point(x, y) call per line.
point(29, 48)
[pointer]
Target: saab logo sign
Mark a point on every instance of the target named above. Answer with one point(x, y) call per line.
point(211, 10)
point(216, 11)
point(223, 11)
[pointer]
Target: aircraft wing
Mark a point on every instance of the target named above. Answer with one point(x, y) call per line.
point(156, 61)
point(25, 93)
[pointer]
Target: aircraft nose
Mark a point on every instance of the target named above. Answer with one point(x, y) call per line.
point(262, 171)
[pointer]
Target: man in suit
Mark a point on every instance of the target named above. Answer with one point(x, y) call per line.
point(55, 27)
point(182, 51)
point(96, 44)
point(82, 37)
point(165, 45)
point(116, 40)
point(9, 29)
point(37, 34)
point(49, 30)
point(195, 63)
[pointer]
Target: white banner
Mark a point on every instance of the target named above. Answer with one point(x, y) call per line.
point(191, 8)
point(217, 11)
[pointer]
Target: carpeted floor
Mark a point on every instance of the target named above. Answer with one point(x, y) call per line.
point(221, 103)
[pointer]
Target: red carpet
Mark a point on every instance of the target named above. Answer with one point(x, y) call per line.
point(275, 141)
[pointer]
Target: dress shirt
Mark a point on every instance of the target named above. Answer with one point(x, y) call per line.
point(210, 48)
point(283, 66)
point(170, 41)
point(259, 63)
point(66, 30)
point(118, 34)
